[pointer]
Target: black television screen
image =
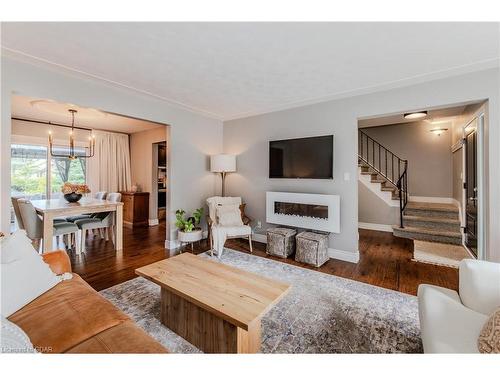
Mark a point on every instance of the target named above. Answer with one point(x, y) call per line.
point(301, 158)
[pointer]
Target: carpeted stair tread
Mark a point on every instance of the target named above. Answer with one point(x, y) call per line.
point(426, 206)
point(426, 234)
point(427, 231)
point(388, 188)
point(432, 219)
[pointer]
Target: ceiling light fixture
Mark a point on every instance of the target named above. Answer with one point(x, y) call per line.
point(438, 131)
point(71, 149)
point(415, 115)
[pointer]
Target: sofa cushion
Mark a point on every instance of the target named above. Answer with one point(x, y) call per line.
point(66, 315)
point(446, 325)
point(123, 338)
point(25, 275)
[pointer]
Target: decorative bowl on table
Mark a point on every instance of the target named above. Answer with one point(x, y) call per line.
point(72, 197)
point(73, 192)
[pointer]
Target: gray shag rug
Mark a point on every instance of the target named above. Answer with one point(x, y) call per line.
point(320, 314)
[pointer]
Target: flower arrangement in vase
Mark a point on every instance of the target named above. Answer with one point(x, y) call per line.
point(73, 192)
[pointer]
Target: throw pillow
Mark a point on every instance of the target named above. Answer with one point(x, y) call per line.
point(13, 339)
point(229, 215)
point(489, 338)
point(25, 276)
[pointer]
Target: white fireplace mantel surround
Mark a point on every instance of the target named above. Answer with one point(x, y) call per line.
point(330, 224)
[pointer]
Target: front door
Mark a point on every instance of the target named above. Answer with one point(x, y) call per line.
point(471, 214)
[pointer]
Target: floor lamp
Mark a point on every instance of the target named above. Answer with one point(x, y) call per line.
point(223, 163)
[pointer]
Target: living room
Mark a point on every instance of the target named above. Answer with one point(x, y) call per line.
point(260, 248)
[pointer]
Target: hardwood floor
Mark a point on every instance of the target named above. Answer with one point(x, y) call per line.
point(385, 260)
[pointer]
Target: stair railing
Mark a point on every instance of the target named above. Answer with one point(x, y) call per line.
point(387, 164)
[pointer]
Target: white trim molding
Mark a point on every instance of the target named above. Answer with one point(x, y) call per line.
point(373, 226)
point(153, 222)
point(347, 256)
point(172, 244)
point(375, 188)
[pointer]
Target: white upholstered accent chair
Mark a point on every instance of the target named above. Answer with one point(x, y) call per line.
point(451, 322)
point(33, 225)
point(102, 221)
point(217, 233)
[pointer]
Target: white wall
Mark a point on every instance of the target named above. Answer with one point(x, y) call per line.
point(248, 138)
point(192, 137)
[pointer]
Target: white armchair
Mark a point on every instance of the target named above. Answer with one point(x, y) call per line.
point(218, 233)
point(451, 322)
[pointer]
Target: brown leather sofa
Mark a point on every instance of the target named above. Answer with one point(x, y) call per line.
point(73, 318)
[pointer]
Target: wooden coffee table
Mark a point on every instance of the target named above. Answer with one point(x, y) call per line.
point(217, 308)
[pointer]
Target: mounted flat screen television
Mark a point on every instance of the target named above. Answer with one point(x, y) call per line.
point(302, 158)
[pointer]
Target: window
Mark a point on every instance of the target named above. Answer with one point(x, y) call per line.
point(35, 174)
point(29, 171)
point(63, 170)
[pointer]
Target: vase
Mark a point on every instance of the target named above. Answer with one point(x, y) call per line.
point(72, 197)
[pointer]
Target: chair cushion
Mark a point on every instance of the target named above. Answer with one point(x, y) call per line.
point(64, 228)
point(230, 231)
point(446, 325)
point(25, 275)
point(77, 217)
point(66, 315)
point(90, 223)
point(229, 215)
point(479, 285)
point(122, 338)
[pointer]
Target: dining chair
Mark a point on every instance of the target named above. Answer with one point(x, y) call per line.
point(19, 219)
point(33, 225)
point(104, 221)
point(99, 195)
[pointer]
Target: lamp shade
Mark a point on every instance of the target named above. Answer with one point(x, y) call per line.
point(223, 163)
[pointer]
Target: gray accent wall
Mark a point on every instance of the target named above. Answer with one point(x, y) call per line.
point(248, 138)
point(190, 138)
point(429, 155)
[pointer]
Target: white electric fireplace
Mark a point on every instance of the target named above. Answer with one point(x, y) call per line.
point(310, 211)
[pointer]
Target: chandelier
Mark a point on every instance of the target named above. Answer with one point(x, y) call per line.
point(71, 149)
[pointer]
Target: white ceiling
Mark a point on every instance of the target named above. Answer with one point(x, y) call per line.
point(231, 70)
point(438, 114)
point(47, 110)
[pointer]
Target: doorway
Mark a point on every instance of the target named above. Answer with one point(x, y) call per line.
point(473, 217)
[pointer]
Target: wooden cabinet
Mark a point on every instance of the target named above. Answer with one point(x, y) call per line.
point(135, 208)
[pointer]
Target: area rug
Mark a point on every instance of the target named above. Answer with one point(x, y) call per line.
point(441, 254)
point(320, 314)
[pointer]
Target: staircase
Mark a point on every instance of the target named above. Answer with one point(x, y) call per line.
point(423, 221)
point(432, 222)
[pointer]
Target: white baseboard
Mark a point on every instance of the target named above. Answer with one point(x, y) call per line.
point(373, 226)
point(348, 256)
point(172, 244)
point(415, 198)
point(259, 237)
point(153, 222)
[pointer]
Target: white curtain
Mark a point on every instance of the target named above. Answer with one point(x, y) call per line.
point(109, 169)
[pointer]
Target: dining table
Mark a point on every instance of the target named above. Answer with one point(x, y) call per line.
point(52, 208)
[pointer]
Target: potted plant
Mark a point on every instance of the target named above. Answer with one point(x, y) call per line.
point(189, 230)
point(73, 192)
